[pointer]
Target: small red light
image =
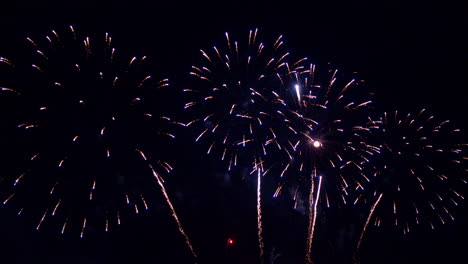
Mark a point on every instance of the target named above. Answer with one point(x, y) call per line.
point(230, 241)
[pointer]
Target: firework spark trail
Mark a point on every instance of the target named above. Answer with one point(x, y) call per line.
point(371, 213)
point(83, 228)
point(168, 200)
point(312, 215)
point(259, 215)
point(173, 212)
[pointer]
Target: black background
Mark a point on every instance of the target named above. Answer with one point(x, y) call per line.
point(412, 54)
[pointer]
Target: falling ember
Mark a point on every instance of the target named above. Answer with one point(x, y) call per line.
point(53, 188)
point(144, 202)
point(42, 219)
point(9, 197)
point(209, 149)
point(64, 226)
point(56, 206)
point(18, 179)
point(83, 228)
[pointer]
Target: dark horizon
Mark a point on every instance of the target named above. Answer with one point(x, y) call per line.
point(412, 56)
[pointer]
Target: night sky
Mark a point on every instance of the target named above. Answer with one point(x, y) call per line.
point(412, 55)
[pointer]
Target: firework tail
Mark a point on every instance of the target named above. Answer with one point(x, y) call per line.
point(312, 215)
point(371, 213)
point(259, 215)
point(173, 212)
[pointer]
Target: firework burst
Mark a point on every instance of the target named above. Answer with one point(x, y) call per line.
point(79, 123)
point(327, 133)
point(420, 170)
point(236, 104)
point(235, 98)
point(325, 144)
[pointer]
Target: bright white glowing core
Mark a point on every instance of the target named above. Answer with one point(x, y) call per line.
point(317, 144)
point(298, 92)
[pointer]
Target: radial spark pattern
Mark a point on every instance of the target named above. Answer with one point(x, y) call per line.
point(420, 170)
point(235, 100)
point(77, 124)
point(327, 133)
